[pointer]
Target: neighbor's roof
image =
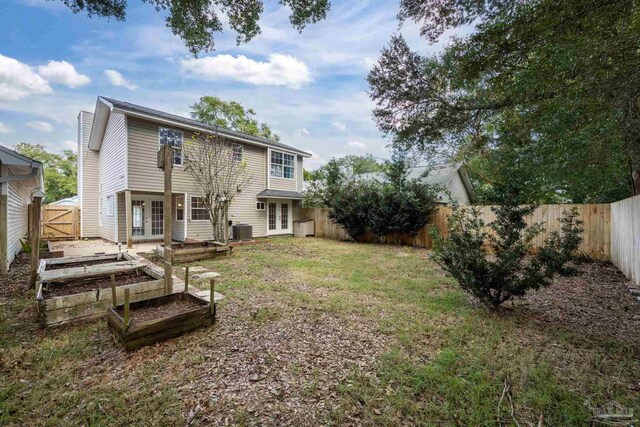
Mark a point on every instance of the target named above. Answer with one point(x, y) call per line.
point(68, 201)
point(437, 175)
point(133, 109)
point(280, 194)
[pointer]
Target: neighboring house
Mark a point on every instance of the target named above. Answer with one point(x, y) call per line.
point(20, 179)
point(118, 177)
point(69, 201)
point(453, 178)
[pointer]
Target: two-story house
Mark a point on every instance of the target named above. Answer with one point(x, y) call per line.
point(118, 177)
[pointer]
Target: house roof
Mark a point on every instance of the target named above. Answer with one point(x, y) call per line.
point(280, 194)
point(68, 201)
point(437, 175)
point(23, 166)
point(101, 116)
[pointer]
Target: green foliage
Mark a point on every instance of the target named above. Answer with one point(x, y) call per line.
point(230, 115)
point(351, 165)
point(197, 21)
point(395, 205)
point(495, 266)
point(60, 174)
point(550, 84)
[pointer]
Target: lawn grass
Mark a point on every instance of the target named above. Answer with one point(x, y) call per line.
point(446, 360)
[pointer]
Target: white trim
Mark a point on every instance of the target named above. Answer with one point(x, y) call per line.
point(183, 209)
point(80, 172)
point(191, 210)
point(268, 168)
point(293, 174)
point(181, 164)
point(115, 213)
point(279, 230)
point(200, 128)
point(264, 208)
point(186, 217)
point(126, 152)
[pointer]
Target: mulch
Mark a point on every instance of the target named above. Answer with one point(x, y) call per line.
point(53, 289)
point(144, 314)
point(594, 305)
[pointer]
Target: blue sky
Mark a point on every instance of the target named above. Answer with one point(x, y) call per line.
point(310, 87)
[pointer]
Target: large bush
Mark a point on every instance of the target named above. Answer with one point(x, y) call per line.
point(493, 262)
point(392, 204)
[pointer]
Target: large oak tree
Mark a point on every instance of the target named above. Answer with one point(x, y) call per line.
point(547, 81)
point(197, 21)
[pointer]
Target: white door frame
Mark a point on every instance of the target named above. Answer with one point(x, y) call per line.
point(279, 229)
point(147, 199)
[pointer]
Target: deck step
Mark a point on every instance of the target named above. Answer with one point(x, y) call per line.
point(205, 295)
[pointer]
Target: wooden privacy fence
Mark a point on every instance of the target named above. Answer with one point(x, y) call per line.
point(625, 237)
point(596, 217)
point(60, 222)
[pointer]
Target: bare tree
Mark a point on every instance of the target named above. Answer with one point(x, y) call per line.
point(218, 167)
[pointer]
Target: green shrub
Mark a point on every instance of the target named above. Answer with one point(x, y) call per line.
point(495, 267)
point(393, 204)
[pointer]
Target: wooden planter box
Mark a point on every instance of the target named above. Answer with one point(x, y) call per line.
point(58, 310)
point(49, 264)
point(139, 334)
point(194, 251)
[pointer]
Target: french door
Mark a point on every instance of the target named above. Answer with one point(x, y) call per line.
point(147, 217)
point(279, 217)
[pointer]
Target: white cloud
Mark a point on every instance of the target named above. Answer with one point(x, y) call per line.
point(41, 126)
point(340, 126)
point(69, 144)
point(280, 70)
point(17, 80)
point(5, 129)
point(64, 73)
point(313, 162)
point(117, 79)
point(357, 144)
point(302, 132)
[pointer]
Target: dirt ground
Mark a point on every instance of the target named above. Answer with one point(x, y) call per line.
point(308, 342)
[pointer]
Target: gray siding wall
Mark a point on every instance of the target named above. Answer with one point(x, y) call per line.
point(145, 176)
point(458, 190)
point(18, 199)
point(88, 179)
point(112, 171)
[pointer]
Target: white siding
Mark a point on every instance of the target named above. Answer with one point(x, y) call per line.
point(18, 199)
point(112, 171)
point(145, 176)
point(88, 179)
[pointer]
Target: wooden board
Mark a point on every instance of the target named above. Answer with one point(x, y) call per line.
point(139, 335)
point(75, 273)
point(92, 304)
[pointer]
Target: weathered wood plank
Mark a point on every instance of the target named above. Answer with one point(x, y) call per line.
point(75, 273)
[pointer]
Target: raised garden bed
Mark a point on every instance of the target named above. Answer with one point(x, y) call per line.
point(87, 295)
point(82, 261)
point(195, 250)
point(142, 323)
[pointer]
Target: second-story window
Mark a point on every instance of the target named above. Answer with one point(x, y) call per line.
point(173, 138)
point(237, 152)
point(282, 165)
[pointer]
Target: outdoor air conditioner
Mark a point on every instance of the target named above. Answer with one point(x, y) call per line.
point(242, 232)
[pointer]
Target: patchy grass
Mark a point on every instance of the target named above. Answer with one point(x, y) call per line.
point(315, 331)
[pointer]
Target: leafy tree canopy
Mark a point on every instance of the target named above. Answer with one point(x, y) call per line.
point(60, 179)
point(230, 115)
point(197, 21)
point(351, 165)
point(550, 88)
